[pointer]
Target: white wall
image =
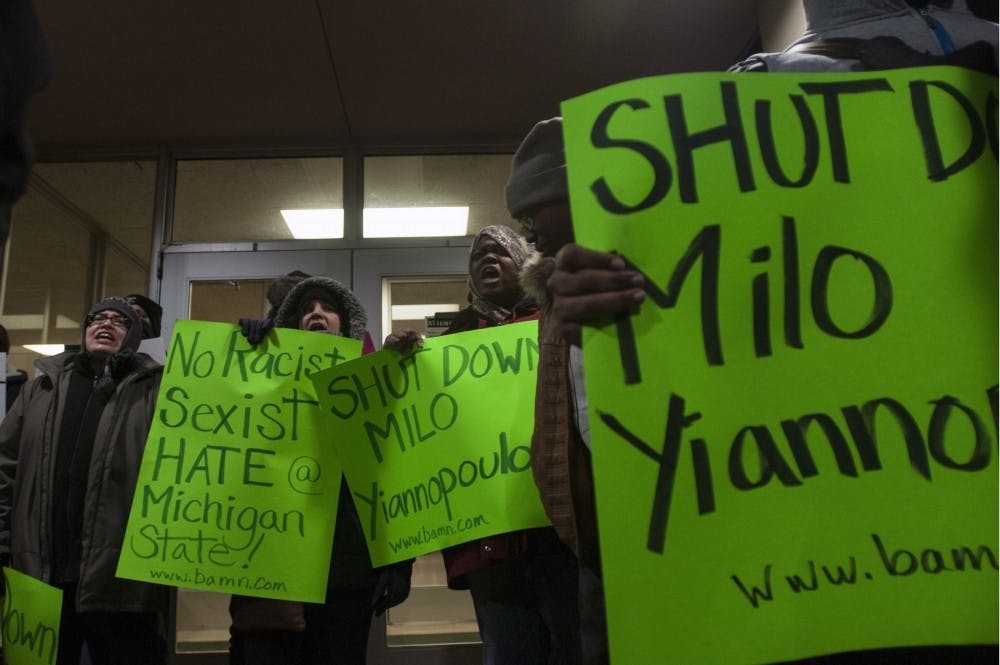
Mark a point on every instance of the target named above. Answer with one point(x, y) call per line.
point(781, 23)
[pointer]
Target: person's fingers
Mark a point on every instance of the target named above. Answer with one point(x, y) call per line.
point(593, 281)
point(404, 341)
point(592, 308)
point(573, 257)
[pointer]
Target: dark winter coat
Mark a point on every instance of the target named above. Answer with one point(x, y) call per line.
point(28, 437)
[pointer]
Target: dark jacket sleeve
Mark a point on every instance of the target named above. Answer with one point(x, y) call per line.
point(10, 448)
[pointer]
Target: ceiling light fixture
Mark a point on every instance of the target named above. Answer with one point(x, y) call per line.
point(415, 222)
point(46, 349)
point(315, 223)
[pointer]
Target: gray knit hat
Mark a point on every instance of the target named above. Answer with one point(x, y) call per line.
point(352, 315)
point(134, 334)
point(538, 171)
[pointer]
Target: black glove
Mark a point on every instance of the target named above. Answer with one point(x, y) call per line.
point(392, 587)
point(255, 330)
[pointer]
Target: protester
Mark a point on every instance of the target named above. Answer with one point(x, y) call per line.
point(537, 195)
point(69, 460)
point(274, 632)
point(523, 583)
point(149, 312)
point(587, 287)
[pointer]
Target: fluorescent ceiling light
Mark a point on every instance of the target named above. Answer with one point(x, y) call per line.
point(315, 222)
point(46, 349)
point(415, 312)
point(415, 222)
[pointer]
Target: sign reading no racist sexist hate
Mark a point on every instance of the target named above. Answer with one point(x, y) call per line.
point(239, 483)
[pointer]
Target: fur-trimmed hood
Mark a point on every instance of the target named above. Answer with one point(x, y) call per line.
point(534, 278)
point(352, 314)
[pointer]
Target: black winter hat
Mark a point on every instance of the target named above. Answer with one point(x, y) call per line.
point(279, 288)
point(538, 170)
point(151, 308)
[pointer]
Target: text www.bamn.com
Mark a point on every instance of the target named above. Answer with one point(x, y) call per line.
point(425, 535)
point(230, 582)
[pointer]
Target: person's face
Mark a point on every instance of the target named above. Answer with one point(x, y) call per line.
point(105, 334)
point(548, 226)
point(494, 273)
point(320, 316)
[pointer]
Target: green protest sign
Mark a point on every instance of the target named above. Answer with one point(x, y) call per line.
point(238, 486)
point(435, 446)
point(794, 439)
point(31, 611)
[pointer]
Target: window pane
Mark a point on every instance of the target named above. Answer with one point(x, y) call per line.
point(58, 226)
point(125, 274)
point(236, 200)
point(229, 301)
point(441, 181)
point(45, 288)
point(414, 299)
point(113, 198)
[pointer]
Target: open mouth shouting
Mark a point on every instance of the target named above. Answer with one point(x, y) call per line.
point(319, 316)
point(489, 274)
point(103, 339)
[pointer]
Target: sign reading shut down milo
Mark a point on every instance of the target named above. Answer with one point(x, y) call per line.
point(795, 438)
point(436, 445)
point(238, 486)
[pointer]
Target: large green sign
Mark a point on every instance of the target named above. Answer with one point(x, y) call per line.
point(239, 482)
point(795, 438)
point(30, 620)
point(435, 446)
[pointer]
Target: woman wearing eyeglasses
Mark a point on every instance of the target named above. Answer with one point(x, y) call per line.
point(69, 457)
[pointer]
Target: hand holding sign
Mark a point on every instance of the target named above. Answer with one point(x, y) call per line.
point(590, 286)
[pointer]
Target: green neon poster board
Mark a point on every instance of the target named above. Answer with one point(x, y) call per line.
point(238, 486)
point(435, 446)
point(30, 620)
point(821, 262)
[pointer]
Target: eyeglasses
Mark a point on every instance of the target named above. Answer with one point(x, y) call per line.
point(117, 320)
